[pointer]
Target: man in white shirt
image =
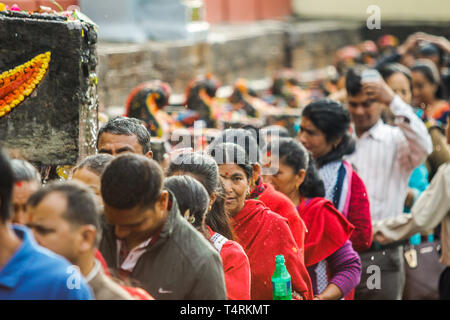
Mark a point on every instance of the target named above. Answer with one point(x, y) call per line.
point(384, 158)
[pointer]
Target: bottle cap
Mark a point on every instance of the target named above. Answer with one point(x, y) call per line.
point(279, 259)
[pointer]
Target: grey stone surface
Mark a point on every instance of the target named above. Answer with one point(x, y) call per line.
point(253, 51)
point(58, 122)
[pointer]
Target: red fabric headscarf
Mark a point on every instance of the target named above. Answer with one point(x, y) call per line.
point(328, 229)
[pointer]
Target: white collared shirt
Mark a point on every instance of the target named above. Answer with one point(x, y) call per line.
point(133, 256)
point(386, 155)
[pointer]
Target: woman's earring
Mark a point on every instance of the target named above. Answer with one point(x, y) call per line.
point(188, 217)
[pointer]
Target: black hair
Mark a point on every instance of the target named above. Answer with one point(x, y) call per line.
point(246, 139)
point(353, 80)
point(230, 153)
point(274, 132)
point(333, 120)
point(205, 170)
point(389, 69)
point(431, 49)
point(295, 155)
point(202, 166)
point(191, 196)
point(81, 203)
point(131, 180)
point(6, 186)
point(129, 127)
point(24, 171)
point(95, 163)
point(431, 73)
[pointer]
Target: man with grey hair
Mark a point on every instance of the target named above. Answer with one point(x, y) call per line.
point(121, 135)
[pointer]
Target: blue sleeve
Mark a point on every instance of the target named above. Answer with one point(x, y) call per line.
point(78, 292)
point(419, 178)
point(83, 293)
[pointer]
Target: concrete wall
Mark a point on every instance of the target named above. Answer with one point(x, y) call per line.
point(253, 51)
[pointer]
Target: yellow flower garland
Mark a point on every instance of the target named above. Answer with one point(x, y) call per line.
point(18, 83)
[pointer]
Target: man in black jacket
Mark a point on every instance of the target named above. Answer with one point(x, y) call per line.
point(146, 239)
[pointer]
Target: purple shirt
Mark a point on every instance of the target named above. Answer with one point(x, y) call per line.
point(344, 268)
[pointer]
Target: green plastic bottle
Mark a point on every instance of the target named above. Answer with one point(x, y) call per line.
point(281, 281)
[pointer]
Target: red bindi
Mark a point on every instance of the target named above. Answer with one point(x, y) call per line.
point(19, 183)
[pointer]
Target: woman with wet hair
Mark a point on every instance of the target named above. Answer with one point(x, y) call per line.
point(192, 199)
point(324, 131)
point(262, 233)
point(333, 265)
point(204, 169)
point(217, 224)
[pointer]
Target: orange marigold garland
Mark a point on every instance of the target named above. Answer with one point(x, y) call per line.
point(18, 83)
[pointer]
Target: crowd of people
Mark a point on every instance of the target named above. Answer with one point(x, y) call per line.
point(361, 174)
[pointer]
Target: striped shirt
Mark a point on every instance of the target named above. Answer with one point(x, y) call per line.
point(385, 157)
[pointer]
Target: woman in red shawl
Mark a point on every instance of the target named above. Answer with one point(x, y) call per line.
point(333, 265)
point(262, 233)
point(260, 190)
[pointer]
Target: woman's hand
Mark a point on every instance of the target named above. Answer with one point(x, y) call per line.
point(331, 292)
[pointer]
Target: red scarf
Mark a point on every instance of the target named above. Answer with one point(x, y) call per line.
point(264, 234)
point(328, 229)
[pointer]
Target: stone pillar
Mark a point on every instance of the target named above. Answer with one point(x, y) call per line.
point(48, 84)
